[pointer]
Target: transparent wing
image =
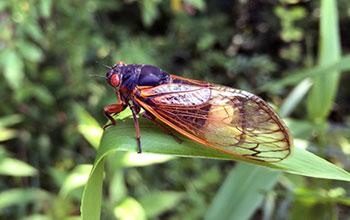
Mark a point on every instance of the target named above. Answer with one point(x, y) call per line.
point(230, 120)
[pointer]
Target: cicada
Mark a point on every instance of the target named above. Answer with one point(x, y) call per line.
point(227, 119)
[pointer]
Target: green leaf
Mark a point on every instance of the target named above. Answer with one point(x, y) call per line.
point(92, 195)
point(13, 167)
point(149, 9)
point(10, 120)
point(198, 4)
point(88, 126)
point(23, 196)
point(4, 4)
point(313, 204)
point(293, 99)
point(138, 160)
point(117, 187)
point(156, 203)
point(342, 64)
point(37, 217)
point(40, 92)
point(122, 137)
point(322, 94)
point(45, 8)
point(13, 71)
point(7, 134)
point(30, 51)
point(75, 179)
point(130, 209)
point(32, 28)
point(242, 192)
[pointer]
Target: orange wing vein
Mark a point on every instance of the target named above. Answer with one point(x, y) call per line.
point(227, 119)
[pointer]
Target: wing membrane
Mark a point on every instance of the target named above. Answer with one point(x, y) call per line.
point(230, 120)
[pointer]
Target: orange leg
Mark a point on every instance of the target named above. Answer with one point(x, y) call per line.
point(112, 109)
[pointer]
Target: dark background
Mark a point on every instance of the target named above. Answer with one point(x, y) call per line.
point(49, 48)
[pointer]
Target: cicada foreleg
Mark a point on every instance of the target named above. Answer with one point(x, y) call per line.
point(112, 109)
point(152, 118)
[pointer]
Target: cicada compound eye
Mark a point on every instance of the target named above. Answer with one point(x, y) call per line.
point(115, 80)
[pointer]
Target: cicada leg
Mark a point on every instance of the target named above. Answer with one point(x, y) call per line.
point(152, 118)
point(135, 110)
point(112, 109)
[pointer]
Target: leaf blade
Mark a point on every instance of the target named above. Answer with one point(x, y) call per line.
point(122, 137)
point(322, 93)
point(241, 194)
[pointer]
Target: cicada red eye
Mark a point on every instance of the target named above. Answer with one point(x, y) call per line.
point(115, 80)
point(121, 62)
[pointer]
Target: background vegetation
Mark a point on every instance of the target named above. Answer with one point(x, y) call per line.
point(48, 103)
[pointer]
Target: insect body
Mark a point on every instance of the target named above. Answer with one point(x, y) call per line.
point(230, 120)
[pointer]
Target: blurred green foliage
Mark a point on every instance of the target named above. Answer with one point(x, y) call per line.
point(48, 49)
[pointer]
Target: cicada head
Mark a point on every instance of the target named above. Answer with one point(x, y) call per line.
point(114, 76)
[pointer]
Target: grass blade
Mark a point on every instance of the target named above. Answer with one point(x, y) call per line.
point(321, 96)
point(342, 64)
point(242, 192)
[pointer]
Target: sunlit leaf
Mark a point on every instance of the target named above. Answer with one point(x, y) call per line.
point(10, 120)
point(45, 8)
point(130, 209)
point(136, 159)
point(293, 99)
point(4, 4)
point(88, 126)
point(77, 178)
point(22, 196)
point(13, 167)
point(7, 134)
point(92, 195)
point(37, 217)
point(13, 63)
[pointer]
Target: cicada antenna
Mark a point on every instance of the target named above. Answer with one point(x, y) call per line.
point(97, 75)
point(108, 67)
